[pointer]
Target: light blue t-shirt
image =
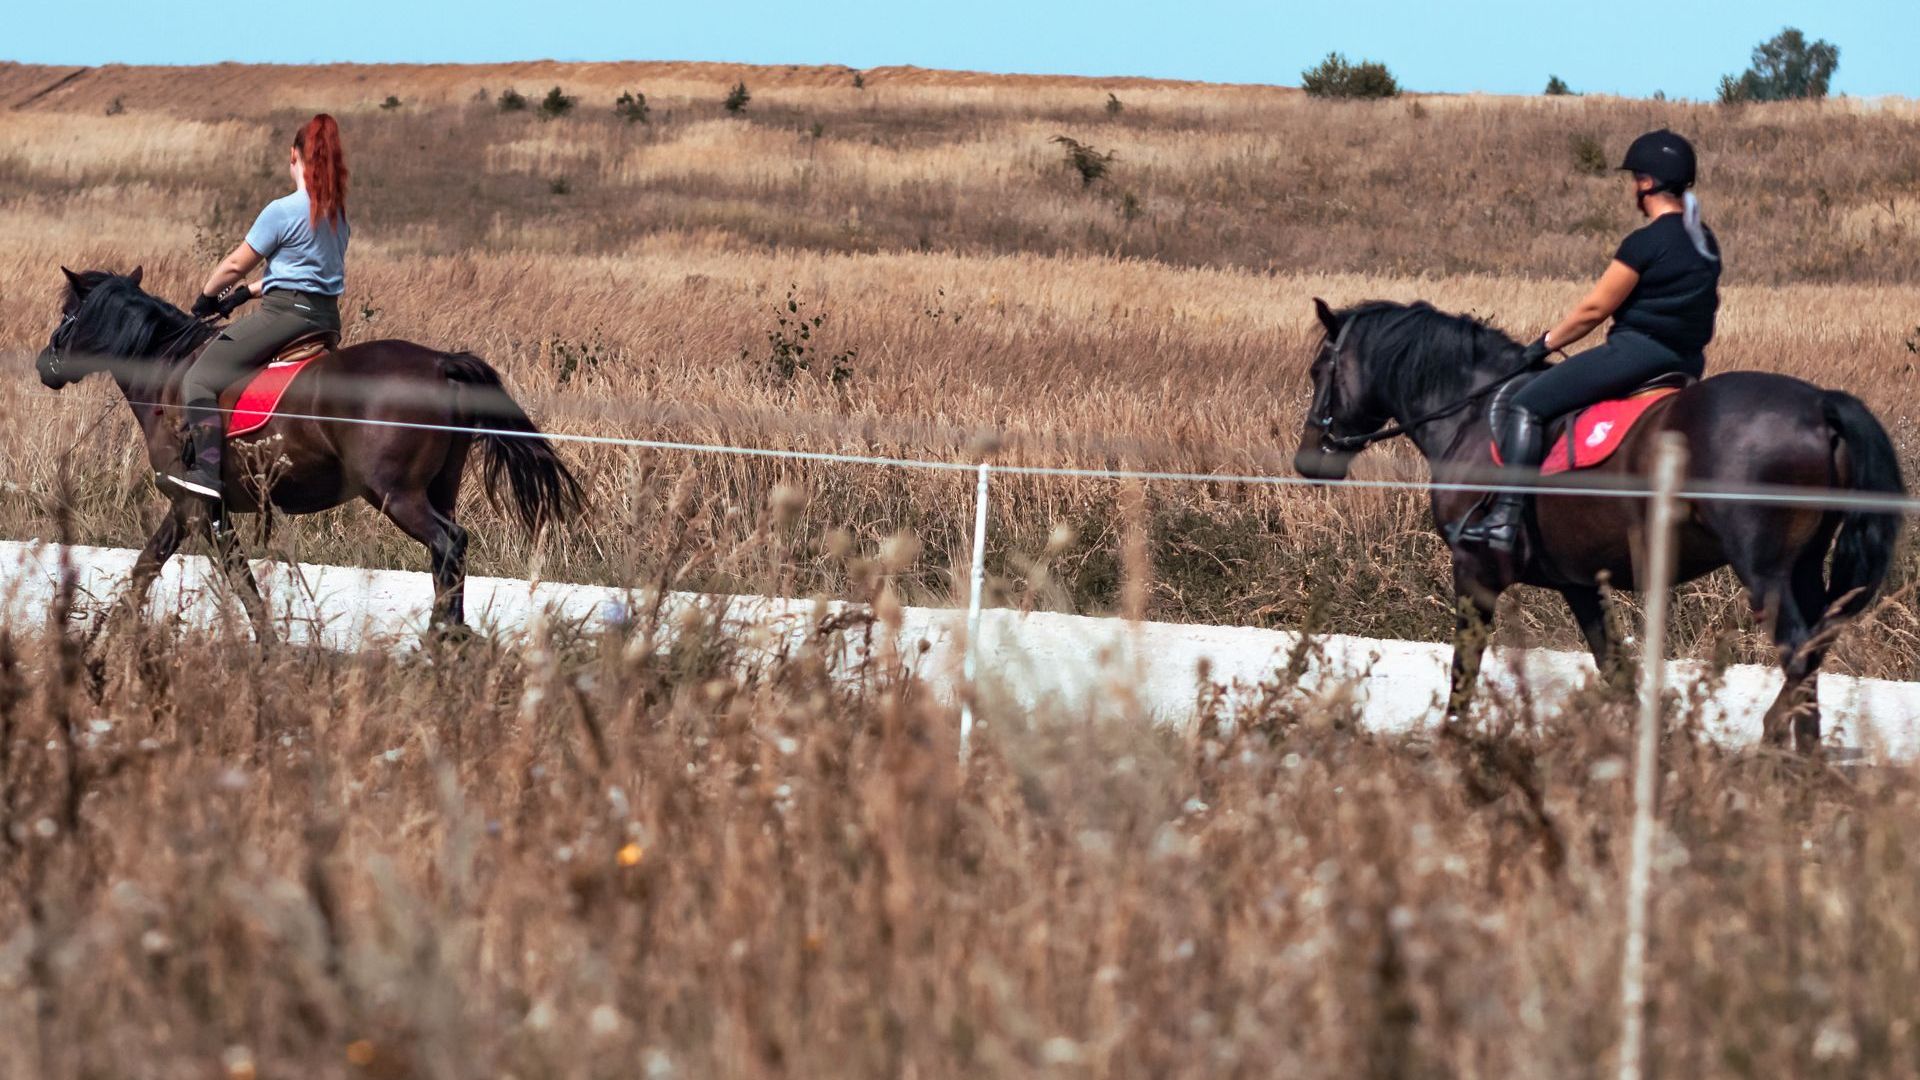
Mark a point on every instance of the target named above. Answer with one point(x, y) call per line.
point(299, 254)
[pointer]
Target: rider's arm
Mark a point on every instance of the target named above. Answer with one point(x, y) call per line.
point(1615, 285)
point(233, 269)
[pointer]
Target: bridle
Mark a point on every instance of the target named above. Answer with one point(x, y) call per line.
point(1332, 444)
point(55, 362)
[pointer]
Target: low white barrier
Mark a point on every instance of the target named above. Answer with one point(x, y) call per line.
point(1074, 664)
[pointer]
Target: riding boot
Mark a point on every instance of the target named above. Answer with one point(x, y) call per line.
point(204, 443)
point(1522, 446)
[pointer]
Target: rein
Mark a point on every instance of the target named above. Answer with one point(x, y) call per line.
point(1330, 443)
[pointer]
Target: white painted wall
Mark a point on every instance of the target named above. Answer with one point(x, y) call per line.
point(1079, 665)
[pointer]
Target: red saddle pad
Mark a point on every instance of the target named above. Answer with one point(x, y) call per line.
point(261, 396)
point(1598, 430)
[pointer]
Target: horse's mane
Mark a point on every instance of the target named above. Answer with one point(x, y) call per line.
point(123, 320)
point(1418, 352)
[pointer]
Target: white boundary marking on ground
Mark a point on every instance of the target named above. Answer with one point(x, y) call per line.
point(1076, 665)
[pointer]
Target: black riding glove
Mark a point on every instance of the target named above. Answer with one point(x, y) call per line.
point(204, 305)
point(1536, 353)
point(231, 302)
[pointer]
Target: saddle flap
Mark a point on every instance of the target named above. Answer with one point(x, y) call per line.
point(1589, 437)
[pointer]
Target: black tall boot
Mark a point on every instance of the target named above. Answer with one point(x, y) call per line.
point(1522, 446)
point(205, 441)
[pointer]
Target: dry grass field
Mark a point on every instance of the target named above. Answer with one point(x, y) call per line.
point(591, 858)
point(625, 277)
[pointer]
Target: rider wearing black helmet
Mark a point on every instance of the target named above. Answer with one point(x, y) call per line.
point(1662, 292)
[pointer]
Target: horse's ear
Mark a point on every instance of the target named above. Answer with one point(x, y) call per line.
point(135, 276)
point(73, 280)
point(1327, 318)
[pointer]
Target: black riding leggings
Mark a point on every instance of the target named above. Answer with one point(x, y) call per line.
point(1624, 363)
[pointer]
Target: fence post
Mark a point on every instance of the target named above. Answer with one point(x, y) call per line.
point(1669, 464)
point(978, 582)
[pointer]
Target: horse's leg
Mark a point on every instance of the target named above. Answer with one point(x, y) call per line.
point(1799, 699)
point(1589, 608)
point(446, 545)
point(233, 560)
point(444, 494)
point(153, 557)
point(1473, 607)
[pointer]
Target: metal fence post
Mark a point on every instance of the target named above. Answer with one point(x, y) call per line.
point(1669, 464)
point(969, 662)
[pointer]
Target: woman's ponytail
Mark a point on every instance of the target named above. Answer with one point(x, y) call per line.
point(1690, 220)
point(325, 166)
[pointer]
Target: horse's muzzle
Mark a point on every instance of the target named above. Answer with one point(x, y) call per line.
point(1317, 464)
point(52, 372)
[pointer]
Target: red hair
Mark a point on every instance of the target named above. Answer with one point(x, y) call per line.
point(325, 166)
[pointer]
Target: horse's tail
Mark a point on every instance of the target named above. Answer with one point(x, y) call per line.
point(518, 456)
point(1864, 461)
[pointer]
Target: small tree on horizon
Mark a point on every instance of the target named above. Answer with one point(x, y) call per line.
point(737, 98)
point(632, 107)
point(1557, 87)
point(1335, 77)
point(1785, 67)
point(556, 104)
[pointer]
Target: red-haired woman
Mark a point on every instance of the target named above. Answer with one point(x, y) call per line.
point(302, 238)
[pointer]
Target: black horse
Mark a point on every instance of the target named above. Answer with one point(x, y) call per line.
point(1385, 369)
point(386, 421)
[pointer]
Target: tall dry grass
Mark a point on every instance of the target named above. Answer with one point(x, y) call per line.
point(991, 300)
point(594, 857)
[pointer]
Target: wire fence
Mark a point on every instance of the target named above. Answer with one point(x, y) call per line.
point(1449, 476)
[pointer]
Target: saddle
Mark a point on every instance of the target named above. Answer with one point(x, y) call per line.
point(1589, 436)
point(260, 394)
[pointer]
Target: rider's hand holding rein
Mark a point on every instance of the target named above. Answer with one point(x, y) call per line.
point(227, 288)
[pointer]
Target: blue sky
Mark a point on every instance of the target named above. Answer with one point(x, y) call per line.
point(1503, 46)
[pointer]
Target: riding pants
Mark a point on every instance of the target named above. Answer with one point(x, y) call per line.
point(1626, 362)
point(250, 343)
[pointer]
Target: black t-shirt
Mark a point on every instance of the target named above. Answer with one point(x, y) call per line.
point(1679, 289)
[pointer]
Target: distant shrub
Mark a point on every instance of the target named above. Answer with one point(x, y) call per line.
point(116, 107)
point(1113, 104)
point(818, 129)
point(512, 100)
point(1659, 95)
point(1334, 77)
point(1557, 87)
point(791, 349)
point(555, 104)
point(1084, 159)
point(392, 102)
point(859, 80)
point(1588, 155)
point(737, 98)
point(560, 186)
point(633, 108)
point(1785, 67)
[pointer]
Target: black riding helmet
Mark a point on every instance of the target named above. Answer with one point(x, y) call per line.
point(1664, 156)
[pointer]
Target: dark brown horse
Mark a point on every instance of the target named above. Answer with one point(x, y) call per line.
point(370, 421)
point(1385, 369)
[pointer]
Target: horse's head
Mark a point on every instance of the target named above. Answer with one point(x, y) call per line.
point(1341, 407)
point(100, 320)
